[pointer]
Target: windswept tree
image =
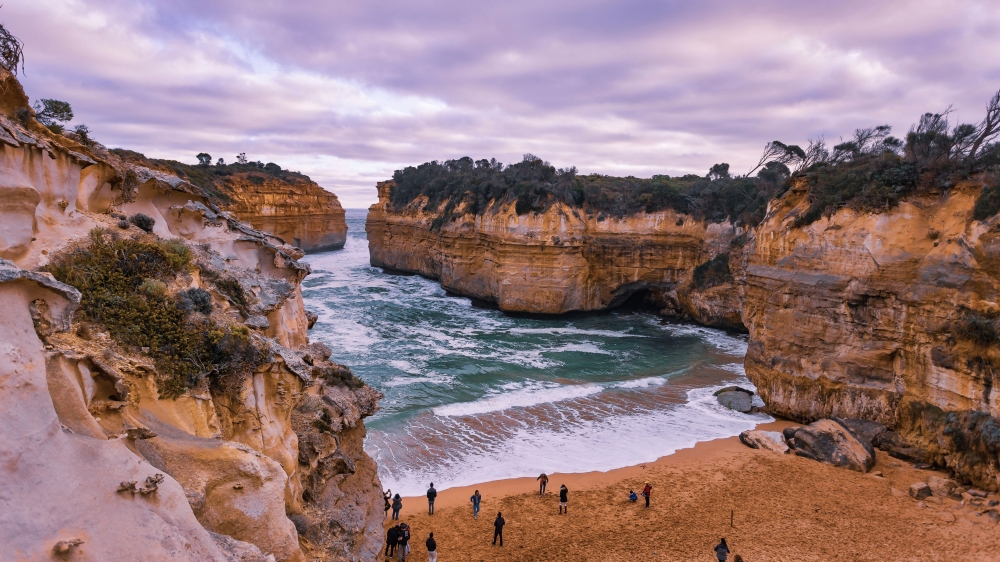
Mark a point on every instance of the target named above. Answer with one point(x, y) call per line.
point(52, 113)
point(11, 52)
point(204, 159)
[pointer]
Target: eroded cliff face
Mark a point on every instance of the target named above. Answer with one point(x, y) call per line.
point(301, 212)
point(286, 204)
point(91, 451)
point(875, 316)
point(560, 261)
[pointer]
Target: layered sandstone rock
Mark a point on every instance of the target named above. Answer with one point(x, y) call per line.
point(874, 316)
point(298, 210)
point(91, 450)
point(559, 261)
point(287, 204)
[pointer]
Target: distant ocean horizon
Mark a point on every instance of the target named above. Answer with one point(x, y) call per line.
point(474, 395)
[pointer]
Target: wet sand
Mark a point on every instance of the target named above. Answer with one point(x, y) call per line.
point(783, 508)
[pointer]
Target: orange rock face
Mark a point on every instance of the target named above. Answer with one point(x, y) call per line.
point(883, 317)
point(560, 261)
point(301, 212)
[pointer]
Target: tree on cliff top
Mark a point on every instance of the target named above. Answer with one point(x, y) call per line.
point(11, 51)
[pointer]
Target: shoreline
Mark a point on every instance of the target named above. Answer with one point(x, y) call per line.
point(592, 480)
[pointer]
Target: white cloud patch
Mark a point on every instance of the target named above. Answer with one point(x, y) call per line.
point(349, 92)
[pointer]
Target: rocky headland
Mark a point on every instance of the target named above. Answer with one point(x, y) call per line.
point(561, 260)
point(159, 395)
point(284, 203)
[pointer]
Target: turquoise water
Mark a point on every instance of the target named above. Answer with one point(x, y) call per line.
point(472, 394)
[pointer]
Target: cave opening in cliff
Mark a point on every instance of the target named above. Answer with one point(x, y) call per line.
point(640, 300)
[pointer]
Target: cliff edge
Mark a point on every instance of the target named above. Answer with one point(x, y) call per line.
point(159, 395)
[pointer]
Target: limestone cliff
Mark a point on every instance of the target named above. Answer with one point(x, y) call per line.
point(562, 260)
point(95, 460)
point(284, 203)
point(882, 316)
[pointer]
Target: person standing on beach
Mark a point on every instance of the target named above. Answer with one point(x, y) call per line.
point(432, 547)
point(403, 543)
point(476, 499)
point(542, 481)
point(386, 496)
point(397, 504)
point(431, 494)
point(722, 550)
point(563, 493)
point(498, 528)
point(647, 491)
point(391, 536)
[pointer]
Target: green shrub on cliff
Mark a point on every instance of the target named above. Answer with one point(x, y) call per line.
point(124, 282)
point(533, 185)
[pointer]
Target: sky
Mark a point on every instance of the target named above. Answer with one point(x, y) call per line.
point(348, 92)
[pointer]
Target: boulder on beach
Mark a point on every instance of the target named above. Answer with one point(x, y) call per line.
point(828, 441)
point(766, 440)
point(735, 398)
point(920, 490)
point(941, 486)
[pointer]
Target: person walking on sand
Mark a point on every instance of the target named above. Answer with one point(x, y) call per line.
point(498, 528)
point(386, 496)
point(722, 550)
point(391, 536)
point(397, 505)
point(432, 547)
point(476, 499)
point(647, 491)
point(542, 481)
point(563, 493)
point(431, 494)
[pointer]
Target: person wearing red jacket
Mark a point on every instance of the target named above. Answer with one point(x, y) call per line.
point(646, 492)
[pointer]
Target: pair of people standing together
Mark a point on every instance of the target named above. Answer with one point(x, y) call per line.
point(543, 481)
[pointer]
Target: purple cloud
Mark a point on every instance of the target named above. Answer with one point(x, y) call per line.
point(348, 92)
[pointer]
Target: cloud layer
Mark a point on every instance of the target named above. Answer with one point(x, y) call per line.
point(347, 92)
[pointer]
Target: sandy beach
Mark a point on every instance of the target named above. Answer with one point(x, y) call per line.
point(782, 507)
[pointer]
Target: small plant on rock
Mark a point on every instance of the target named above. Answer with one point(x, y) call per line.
point(142, 221)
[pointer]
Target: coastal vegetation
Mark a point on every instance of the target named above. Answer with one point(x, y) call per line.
point(124, 285)
point(214, 178)
point(872, 171)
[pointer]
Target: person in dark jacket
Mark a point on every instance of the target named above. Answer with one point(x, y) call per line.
point(402, 542)
point(431, 494)
point(476, 500)
point(386, 496)
point(563, 493)
point(498, 528)
point(391, 536)
point(722, 550)
point(432, 547)
point(397, 504)
point(646, 492)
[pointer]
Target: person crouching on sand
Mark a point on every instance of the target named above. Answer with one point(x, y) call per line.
point(632, 496)
point(542, 481)
point(476, 499)
point(722, 550)
point(563, 492)
point(647, 491)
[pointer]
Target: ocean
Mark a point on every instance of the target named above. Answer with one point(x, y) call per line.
point(472, 394)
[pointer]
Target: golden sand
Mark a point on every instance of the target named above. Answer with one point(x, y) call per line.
point(783, 508)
